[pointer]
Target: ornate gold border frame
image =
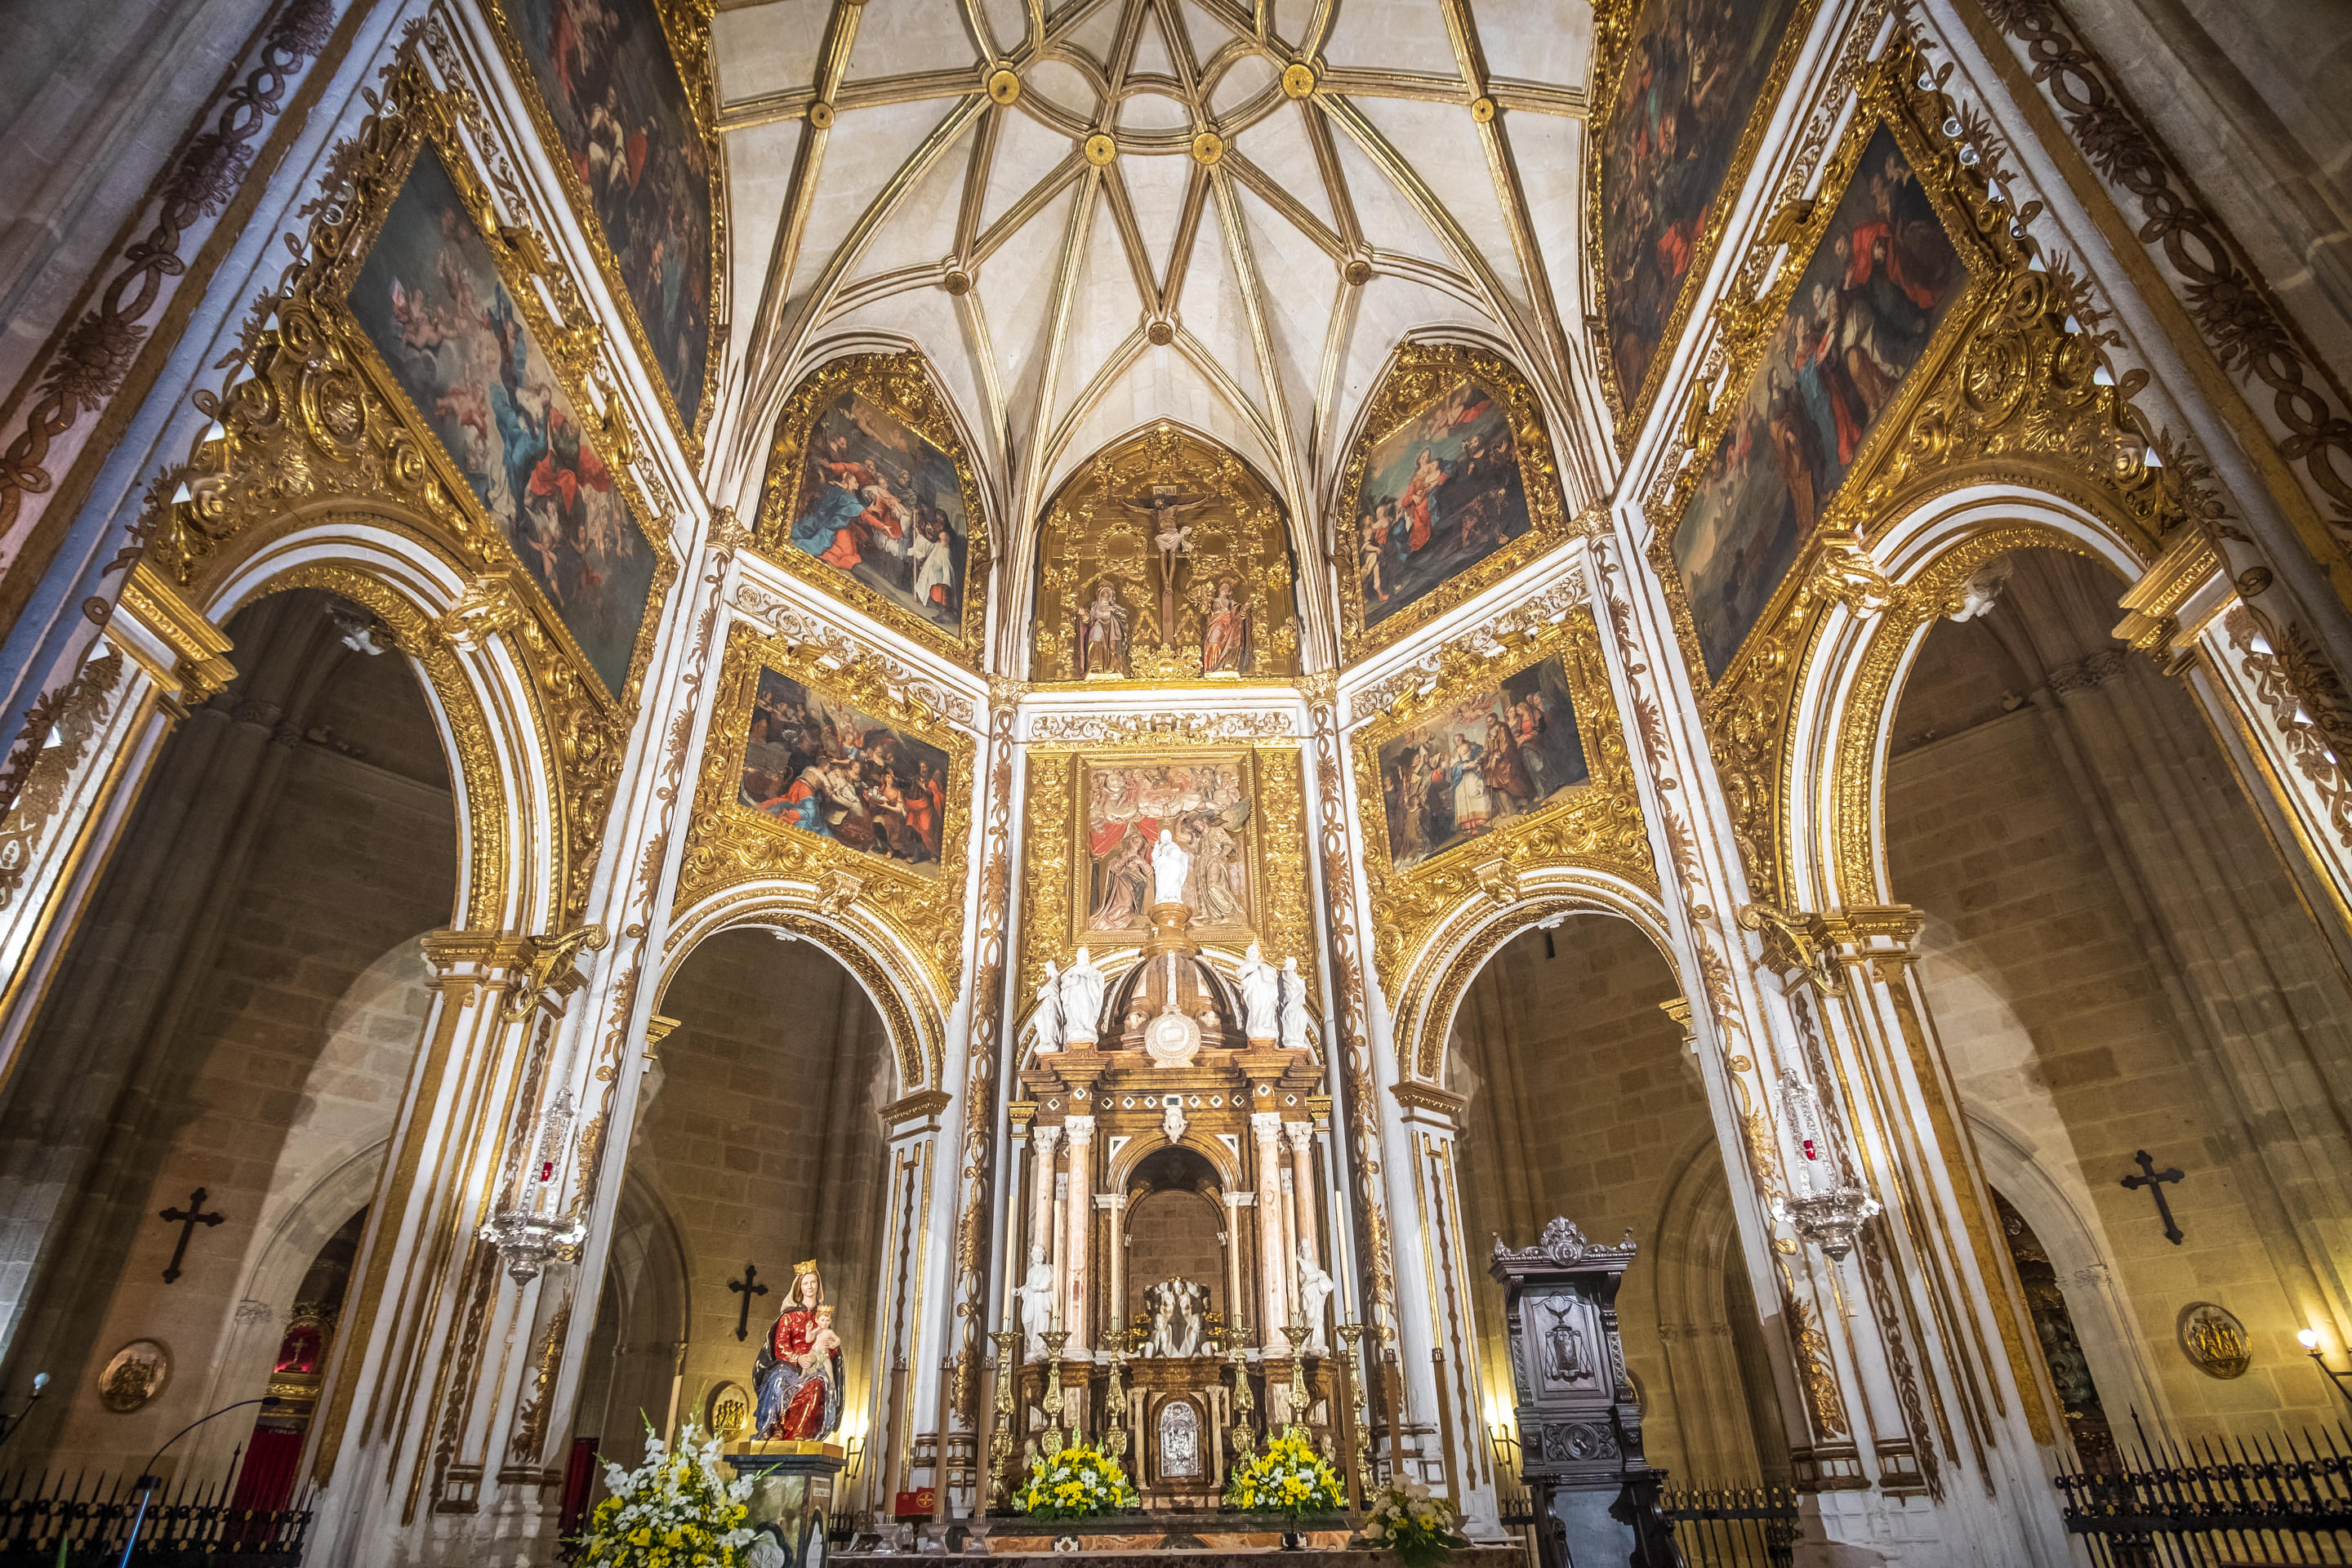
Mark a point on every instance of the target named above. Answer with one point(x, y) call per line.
point(1076, 929)
point(902, 384)
point(728, 843)
point(1614, 22)
point(1416, 376)
point(1054, 876)
point(1749, 322)
point(1596, 825)
point(2010, 394)
point(686, 29)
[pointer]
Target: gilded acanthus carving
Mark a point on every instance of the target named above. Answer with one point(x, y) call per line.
point(2306, 703)
point(1192, 726)
point(1598, 824)
point(732, 842)
point(1444, 664)
point(802, 628)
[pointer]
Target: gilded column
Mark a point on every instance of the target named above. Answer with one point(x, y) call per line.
point(1075, 1282)
point(1274, 1298)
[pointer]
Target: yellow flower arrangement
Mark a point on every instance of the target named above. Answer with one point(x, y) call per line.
point(1079, 1482)
point(1288, 1477)
point(675, 1508)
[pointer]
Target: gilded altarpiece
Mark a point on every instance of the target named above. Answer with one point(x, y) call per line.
point(1421, 481)
point(851, 820)
point(1586, 816)
point(2009, 391)
point(318, 423)
point(870, 498)
point(1077, 798)
point(1164, 558)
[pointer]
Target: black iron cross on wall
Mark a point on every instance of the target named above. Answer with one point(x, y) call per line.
point(746, 1287)
point(188, 1219)
point(2153, 1180)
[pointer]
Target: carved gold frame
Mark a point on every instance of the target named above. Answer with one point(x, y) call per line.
point(312, 426)
point(686, 30)
point(1748, 322)
point(1613, 45)
point(2010, 394)
point(1054, 877)
point(1416, 376)
point(1077, 932)
point(730, 843)
point(902, 384)
point(1597, 825)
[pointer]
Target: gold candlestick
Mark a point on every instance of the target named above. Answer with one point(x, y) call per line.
point(1244, 1404)
point(1115, 1415)
point(1296, 1334)
point(1000, 1442)
point(1350, 1336)
point(1055, 1340)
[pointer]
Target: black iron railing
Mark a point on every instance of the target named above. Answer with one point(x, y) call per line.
point(2217, 1501)
point(85, 1521)
point(1733, 1527)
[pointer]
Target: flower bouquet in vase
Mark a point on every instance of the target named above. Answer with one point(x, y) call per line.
point(677, 1509)
point(1288, 1477)
point(1422, 1529)
point(1079, 1482)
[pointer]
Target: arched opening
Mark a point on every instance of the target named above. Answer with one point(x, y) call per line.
point(760, 1145)
point(229, 1033)
point(1582, 1100)
point(2118, 963)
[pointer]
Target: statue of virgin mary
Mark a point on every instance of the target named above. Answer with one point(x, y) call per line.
point(798, 1373)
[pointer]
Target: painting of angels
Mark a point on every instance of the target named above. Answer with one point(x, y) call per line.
point(879, 502)
point(820, 766)
point(1203, 805)
point(1496, 756)
point(604, 71)
point(1876, 289)
point(431, 299)
point(1441, 494)
point(1692, 76)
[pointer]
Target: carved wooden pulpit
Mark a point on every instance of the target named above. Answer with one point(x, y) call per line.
point(1579, 1430)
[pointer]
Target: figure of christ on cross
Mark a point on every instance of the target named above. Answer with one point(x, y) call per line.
point(1172, 540)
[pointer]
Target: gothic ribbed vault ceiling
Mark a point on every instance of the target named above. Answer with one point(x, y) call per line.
point(1064, 301)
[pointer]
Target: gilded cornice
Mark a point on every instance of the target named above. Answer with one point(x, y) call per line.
point(1410, 688)
point(802, 628)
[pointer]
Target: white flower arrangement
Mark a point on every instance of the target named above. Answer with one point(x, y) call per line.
point(1419, 1529)
point(677, 1509)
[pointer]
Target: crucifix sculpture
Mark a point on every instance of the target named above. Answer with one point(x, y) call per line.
point(1171, 547)
point(2153, 1180)
point(747, 1288)
point(188, 1219)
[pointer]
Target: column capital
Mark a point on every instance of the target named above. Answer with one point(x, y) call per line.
point(476, 957)
point(1265, 1125)
point(1301, 1135)
point(1427, 1104)
point(1046, 1136)
point(1874, 931)
point(1081, 1129)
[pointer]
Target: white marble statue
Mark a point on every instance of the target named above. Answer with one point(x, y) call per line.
point(1172, 1118)
point(1295, 1035)
point(1037, 1294)
point(1045, 1020)
point(1314, 1289)
point(1179, 1318)
point(1171, 865)
point(1261, 995)
point(1082, 999)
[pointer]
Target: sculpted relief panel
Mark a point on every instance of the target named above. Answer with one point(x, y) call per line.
point(1164, 558)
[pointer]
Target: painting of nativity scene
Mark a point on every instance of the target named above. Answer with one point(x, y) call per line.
point(1875, 291)
point(1203, 805)
point(1440, 494)
point(820, 766)
point(431, 299)
point(879, 502)
point(1494, 756)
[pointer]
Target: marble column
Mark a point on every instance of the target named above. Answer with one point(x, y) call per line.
point(1273, 1297)
point(1044, 1141)
point(1076, 1279)
point(1236, 1311)
point(1302, 1180)
point(1115, 1204)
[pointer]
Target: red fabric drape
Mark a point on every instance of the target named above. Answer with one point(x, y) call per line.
point(265, 1484)
point(579, 1477)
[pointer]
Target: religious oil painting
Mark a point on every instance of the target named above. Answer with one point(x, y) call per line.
point(1693, 73)
point(1481, 762)
point(1204, 804)
point(881, 503)
point(1441, 494)
point(605, 73)
point(820, 766)
point(1863, 314)
point(431, 300)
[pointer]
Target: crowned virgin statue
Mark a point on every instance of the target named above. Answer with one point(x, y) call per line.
point(798, 1373)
